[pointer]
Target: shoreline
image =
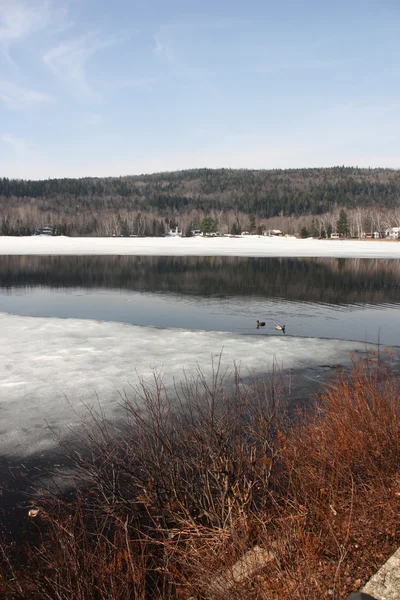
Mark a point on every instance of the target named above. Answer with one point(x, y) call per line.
point(313, 463)
point(250, 246)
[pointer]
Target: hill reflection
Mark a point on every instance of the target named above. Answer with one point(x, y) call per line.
point(321, 280)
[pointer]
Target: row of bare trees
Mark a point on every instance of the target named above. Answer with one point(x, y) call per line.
point(360, 220)
point(25, 218)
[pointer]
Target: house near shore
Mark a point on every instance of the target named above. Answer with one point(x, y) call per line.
point(372, 235)
point(393, 233)
point(47, 230)
point(175, 232)
point(273, 232)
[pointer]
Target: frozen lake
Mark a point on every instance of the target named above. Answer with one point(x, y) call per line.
point(78, 328)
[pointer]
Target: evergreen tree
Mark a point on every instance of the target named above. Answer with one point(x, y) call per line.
point(124, 228)
point(304, 232)
point(161, 229)
point(342, 226)
point(236, 229)
point(314, 229)
point(208, 225)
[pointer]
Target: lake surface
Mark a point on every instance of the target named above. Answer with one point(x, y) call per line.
point(352, 299)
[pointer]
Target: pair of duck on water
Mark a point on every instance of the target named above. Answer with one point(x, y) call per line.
point(278, 327)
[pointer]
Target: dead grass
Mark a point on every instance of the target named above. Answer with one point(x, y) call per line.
point(219, 496)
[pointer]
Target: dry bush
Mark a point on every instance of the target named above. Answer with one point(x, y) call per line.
point(210, 494)
point(337, 482)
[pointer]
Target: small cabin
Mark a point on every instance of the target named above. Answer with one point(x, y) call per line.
point(175, 232)
point(273, 232)
point(393, 233)
point(47, 230)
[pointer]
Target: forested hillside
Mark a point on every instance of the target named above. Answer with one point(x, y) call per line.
point(150, 204)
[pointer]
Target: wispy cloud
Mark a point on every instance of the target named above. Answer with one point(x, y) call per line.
point(18, 145)
point(16, 97)
point(295, 65)
point(196, 51)
point(68, 61)
point(180, 65)
point(21, 18)
point(163, 50)
point(93, 119)
point(141, 83)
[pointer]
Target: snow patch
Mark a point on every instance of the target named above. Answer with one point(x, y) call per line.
point(249, 245)
point(50, 368)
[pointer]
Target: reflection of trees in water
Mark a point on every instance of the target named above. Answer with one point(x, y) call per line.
point(327, 280)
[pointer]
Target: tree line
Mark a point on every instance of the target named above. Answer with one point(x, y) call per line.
point(237, 200)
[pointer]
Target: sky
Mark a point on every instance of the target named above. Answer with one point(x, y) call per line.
point(100, 88)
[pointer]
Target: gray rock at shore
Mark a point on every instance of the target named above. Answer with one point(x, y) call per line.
point(385, 584)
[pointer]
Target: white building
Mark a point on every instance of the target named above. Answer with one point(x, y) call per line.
point(175, 232)
point(48, 230)
point(393, 233)
point(271, 232)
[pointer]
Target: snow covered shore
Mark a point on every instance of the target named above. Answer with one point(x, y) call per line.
point(199, 246)
point(49, 367)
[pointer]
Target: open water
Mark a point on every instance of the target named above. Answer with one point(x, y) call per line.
point(352, 299)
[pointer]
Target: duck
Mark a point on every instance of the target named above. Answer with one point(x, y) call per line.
point(280, 328)
point(260, 323)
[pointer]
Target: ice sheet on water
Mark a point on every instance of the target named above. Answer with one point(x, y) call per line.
point(199, 246)
point(49, 367)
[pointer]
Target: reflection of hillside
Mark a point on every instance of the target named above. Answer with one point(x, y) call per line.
point(333, 281)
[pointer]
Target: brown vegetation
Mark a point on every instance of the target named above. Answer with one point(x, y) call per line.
point(216, 495)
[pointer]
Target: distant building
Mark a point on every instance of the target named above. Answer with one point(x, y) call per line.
point(196, 232)
point(375, 235)
point(175, 232)
point(271, 232)
point(47, 230)
point(335, 236)
point(393, 233)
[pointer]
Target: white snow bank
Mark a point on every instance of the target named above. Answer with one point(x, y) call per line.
point(44, 362)
point(199, 246)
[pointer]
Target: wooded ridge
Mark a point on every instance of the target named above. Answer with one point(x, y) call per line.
point(163, 200)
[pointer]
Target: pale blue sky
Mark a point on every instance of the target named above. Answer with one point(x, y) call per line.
point(101, 87)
